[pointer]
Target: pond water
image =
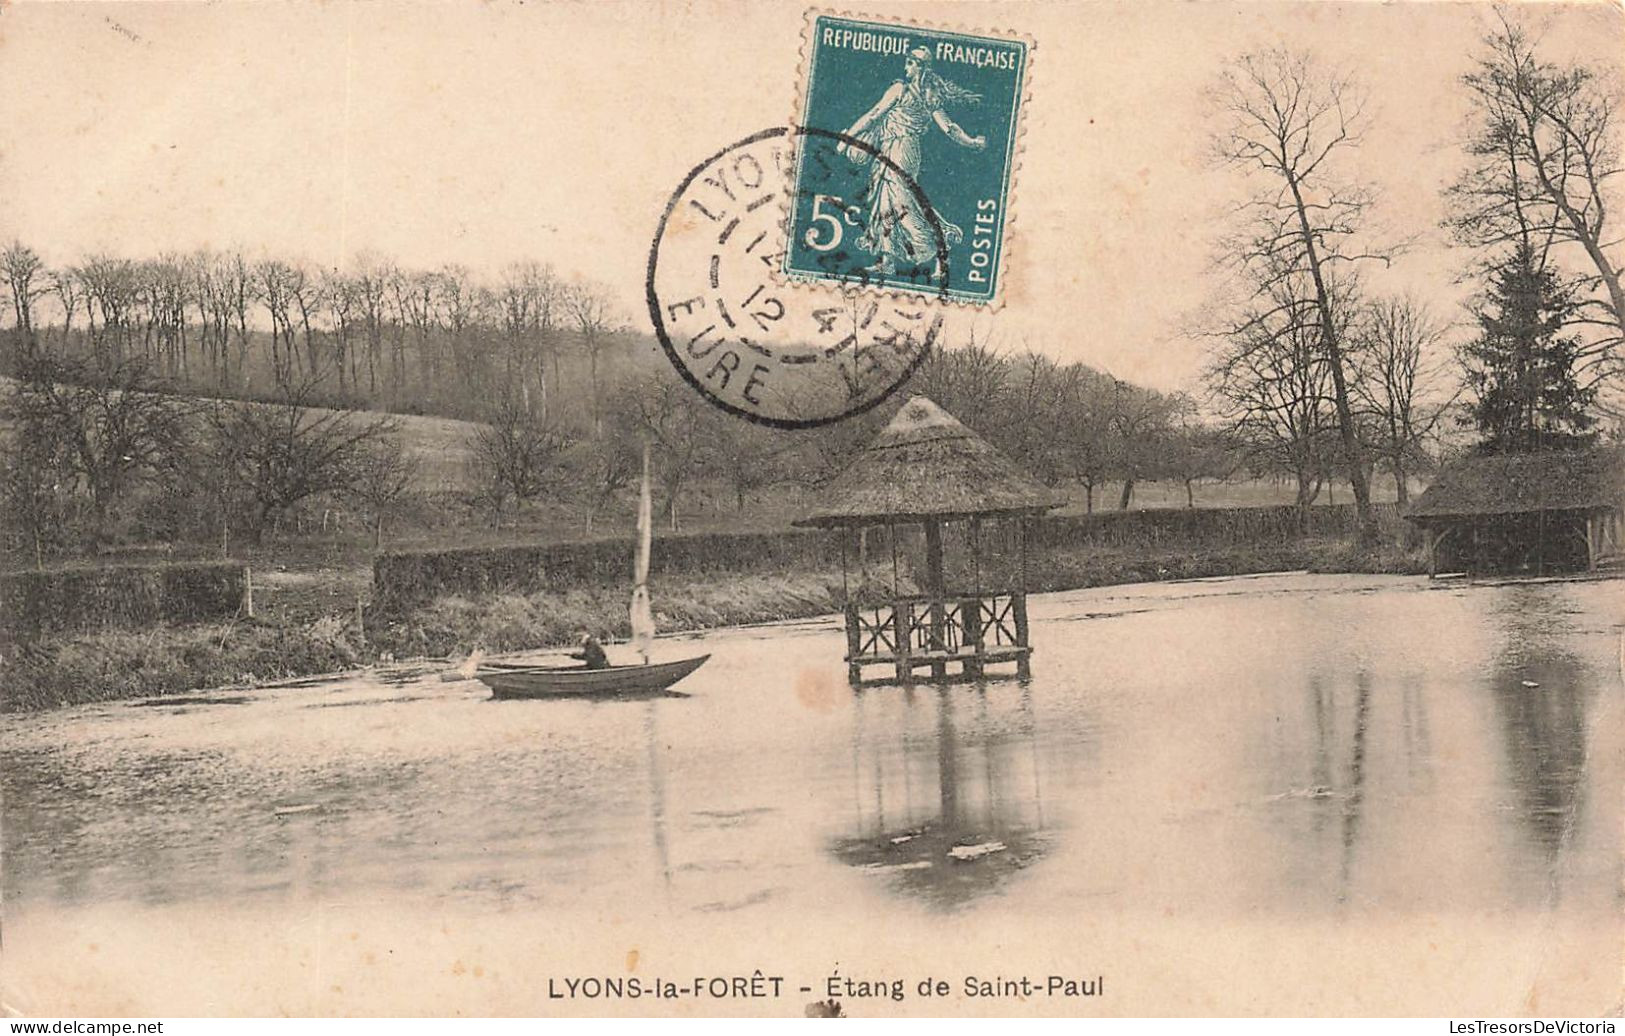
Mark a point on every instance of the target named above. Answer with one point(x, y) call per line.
point(1278, 794)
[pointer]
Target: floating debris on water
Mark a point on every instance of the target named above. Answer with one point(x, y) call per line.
point(1319, 791)
point(285, 811)
point(975, 852)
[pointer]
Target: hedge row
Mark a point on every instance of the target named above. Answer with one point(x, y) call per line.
point(409, 578)
point(1201, 527)
point(77, 599)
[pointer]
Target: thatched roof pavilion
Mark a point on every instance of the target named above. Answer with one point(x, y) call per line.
point(1511, 510)
point(1516, 483)
point(926, 465)
point(927, 469)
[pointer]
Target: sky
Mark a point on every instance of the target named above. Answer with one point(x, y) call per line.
point(485, 133)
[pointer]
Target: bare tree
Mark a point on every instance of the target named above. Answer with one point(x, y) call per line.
point(110, 286)
point(516, 456)
point(221, 291)
point(746, 456)
point(1403, 381)
point(1039, 391)
point(970, 380)
point(1271, 381)
point(109, 429)
point(610, 465)
point(1086, 431)
point(1139, 422)
point(1287, 124)
point(384, 473)
point(278, 282)
point(25, 278)
point(414, 293)
point(591, 308)
point(1192, 450)
point(370, 286)
point(338, 296)
point(663, 412)
point(528, 297)
point(458, 301)
point(64, 284)
point(36, 465)
point(276, 455)
point(235, 282)
point(1543, 154)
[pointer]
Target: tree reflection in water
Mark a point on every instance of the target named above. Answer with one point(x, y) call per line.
point(985, 796)
point(1541, 693)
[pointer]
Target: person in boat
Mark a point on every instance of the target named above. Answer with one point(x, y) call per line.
point(591, 653)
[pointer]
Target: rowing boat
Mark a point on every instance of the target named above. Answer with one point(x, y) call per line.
point(508, 680)
point(515, 681)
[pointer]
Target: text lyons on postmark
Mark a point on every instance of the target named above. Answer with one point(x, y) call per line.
point(943, 110)
point(788, 359)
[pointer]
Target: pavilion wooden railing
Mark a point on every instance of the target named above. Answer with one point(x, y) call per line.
point(970, 629)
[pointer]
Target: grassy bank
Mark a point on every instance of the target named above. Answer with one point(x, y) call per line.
point(70, 670)
point(114, 664)
point(454, 623)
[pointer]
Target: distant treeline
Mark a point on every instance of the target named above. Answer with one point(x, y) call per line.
point(376, 335)
point(213, 398)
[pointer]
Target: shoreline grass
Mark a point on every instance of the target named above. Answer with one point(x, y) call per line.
point(112, 665)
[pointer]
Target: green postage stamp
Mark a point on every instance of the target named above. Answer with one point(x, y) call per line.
point(903, 176)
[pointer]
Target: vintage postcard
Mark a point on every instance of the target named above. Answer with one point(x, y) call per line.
point(763, 509)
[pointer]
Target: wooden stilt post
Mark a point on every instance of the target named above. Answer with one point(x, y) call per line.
point(1019, 606)
point(854, 668)
point(846, 592)
point(891, 534)
point(970, 611)
point(1591, 543)
point(1540, 542)
point(935, 589)
point(902, 625)
point(248, 592)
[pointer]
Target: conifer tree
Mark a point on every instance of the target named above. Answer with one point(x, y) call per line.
point(1521, 368)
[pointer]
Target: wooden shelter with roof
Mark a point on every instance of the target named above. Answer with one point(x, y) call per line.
point(929, 470)
point(1558, 510)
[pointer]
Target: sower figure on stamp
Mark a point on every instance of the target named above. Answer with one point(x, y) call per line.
point(898, 232)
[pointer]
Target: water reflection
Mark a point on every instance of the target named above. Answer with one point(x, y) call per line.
point(1235, 749)
point(657, 792)
point(1541, 693)
point(1336, 789)
point(950, 812)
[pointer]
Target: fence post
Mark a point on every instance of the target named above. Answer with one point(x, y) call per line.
point(1019, 603)
point(248, 592)
point(970, 613)
point(903, 623)
point(854, 668)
